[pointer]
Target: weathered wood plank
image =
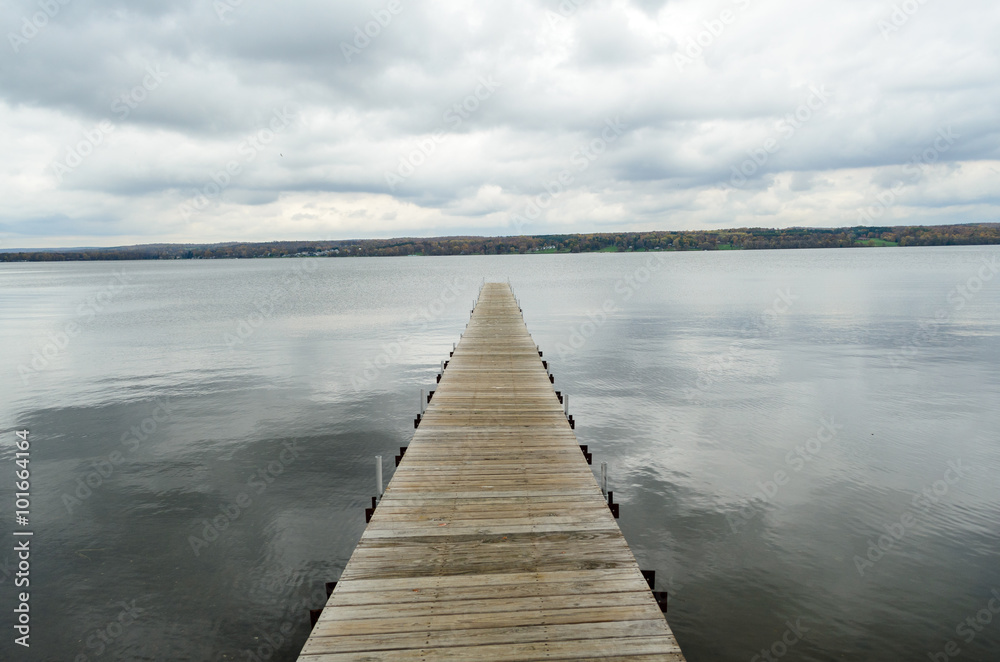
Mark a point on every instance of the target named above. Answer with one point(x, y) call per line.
point(483, 636)
point(479, 592)
point(451, 622)
point(548, 650)
point(487, 580)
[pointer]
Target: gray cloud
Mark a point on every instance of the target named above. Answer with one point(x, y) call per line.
point(723, 122)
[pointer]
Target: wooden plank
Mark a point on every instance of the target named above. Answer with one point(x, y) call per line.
point(514, 652)
point(492, 541)
point(487, 580)
point(452, 622)
point(521, 589)
point(484, 606)
point(483, 636)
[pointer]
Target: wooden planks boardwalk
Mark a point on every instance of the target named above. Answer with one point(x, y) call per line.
point(493, 540)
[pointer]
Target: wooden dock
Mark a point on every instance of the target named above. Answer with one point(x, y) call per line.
point(493, 541)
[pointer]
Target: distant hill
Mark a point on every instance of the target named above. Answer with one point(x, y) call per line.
point(665, 240)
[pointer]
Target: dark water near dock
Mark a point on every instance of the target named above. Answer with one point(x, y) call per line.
point(804, 444)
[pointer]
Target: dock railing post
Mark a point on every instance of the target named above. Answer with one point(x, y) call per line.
point(378, 475)
point(604, 479)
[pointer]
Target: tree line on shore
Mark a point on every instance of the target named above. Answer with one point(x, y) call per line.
point(733, 239)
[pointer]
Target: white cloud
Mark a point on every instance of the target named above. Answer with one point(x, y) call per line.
point(561, 74)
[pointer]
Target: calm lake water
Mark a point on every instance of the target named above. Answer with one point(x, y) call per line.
point(770, 419)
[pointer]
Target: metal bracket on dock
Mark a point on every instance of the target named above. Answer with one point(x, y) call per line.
point(611, 504)
point(369, 512)
point(402, 452)
point(661, 600)
point(659, 596)
point(587, 455)
point(416, 422)
point(559, 395)
point(572, 423)
point(315, 613)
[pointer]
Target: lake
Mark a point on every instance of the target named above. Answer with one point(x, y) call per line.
point(804, 443)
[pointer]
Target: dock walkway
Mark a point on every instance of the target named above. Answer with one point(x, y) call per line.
point(493, 540)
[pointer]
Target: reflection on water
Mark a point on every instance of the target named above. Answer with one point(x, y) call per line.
point(203, 438)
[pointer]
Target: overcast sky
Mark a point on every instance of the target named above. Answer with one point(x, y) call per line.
point(206, 121)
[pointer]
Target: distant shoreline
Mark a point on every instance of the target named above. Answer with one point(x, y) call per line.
point(980, 234)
